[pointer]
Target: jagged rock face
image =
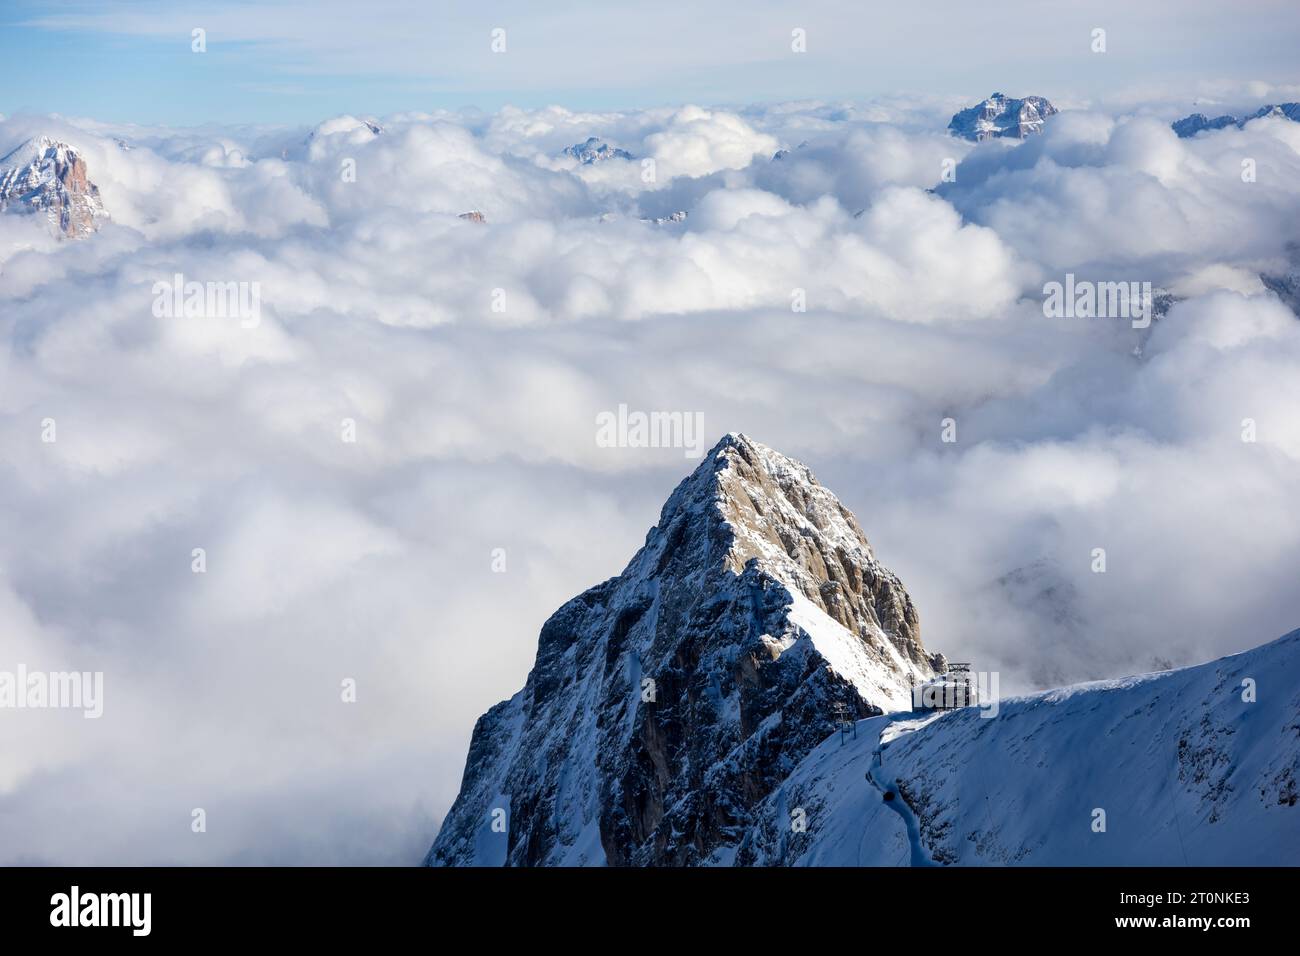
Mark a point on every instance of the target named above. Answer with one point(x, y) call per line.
point(665, 704)
point(1001, 116)
point(594, 151)
point(49, 177)
point(1289, 111)
point(1189, 126)
point(782, 516)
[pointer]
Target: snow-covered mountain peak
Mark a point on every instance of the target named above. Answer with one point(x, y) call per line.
point(1001, 116)
point(594, 151)
point(45, 175)
point(758, 490)
point(665, 703)
point(33, 150)
point(764, 493)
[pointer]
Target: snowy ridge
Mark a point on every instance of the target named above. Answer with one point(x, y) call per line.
point(1186, 770)
point(873, 674)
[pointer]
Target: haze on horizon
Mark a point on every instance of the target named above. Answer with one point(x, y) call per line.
point(301, 61)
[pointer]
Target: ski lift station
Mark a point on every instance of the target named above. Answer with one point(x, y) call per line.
point(950, 690)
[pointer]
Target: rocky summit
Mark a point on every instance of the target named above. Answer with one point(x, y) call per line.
point(47, 177)
point(666, 704)
point(1000, 117)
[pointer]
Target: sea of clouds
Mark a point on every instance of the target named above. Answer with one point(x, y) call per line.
point(475, 425)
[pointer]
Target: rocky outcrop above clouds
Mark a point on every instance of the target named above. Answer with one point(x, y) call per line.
point(49, 178)
point(1189, 126)
point(1001, 116)
point(594, 151)
point(666, 703)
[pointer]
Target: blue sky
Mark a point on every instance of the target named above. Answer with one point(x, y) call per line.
point(294, 61)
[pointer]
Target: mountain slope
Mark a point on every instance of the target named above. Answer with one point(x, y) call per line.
point(1186, 771)
point(666, 703)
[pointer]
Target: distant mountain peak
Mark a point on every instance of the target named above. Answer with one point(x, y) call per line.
point(594, 151)
point(679, 216)
point(48, 176)
point(1001, 116)
point(783, 152)
point(1189, 126)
